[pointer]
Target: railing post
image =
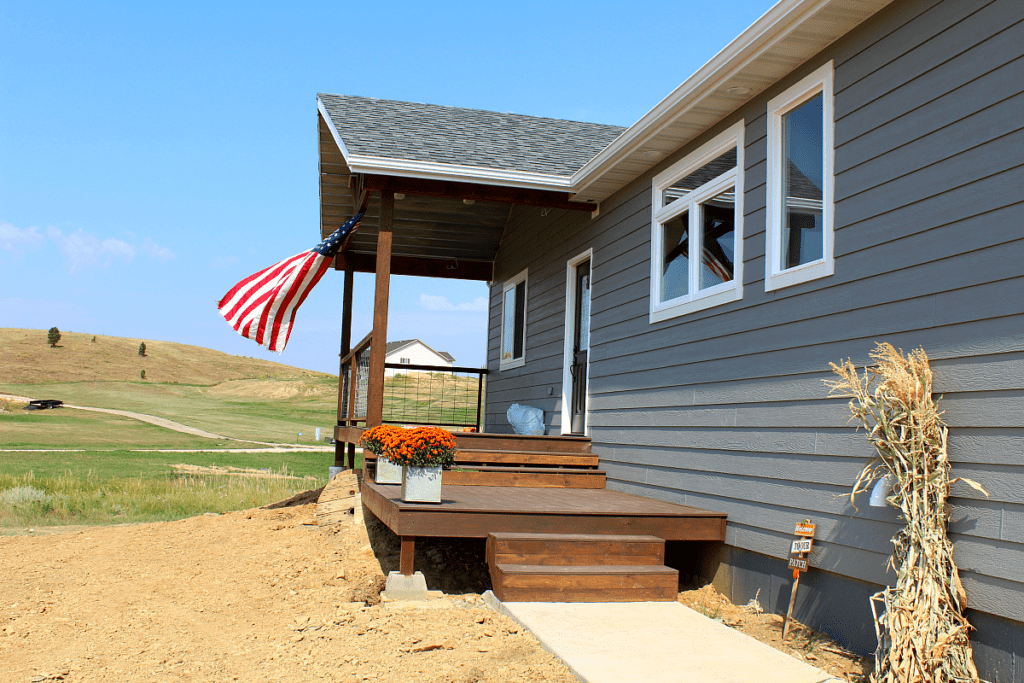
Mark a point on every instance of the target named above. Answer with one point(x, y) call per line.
point(479, 401)
point(378, 348)
point(346, 346)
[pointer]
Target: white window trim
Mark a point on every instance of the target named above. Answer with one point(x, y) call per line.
point(570, 331)
point(511, 284)
point(821, 81)
point(726, 291)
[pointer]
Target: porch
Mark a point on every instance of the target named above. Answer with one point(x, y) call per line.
point(540, 500)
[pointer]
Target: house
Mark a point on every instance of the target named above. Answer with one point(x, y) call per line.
point(415, 352)
point(843, 172)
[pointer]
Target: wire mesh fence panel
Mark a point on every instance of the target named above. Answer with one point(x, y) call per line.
point(442, 397)
point(362, 381)
point(345, 389)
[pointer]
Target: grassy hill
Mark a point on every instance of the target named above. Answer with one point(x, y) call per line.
point(238, 397)
point(26, 358)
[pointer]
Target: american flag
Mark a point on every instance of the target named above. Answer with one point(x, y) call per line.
point(262, 307)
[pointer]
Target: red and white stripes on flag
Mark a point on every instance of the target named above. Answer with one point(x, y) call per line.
point(262, 307)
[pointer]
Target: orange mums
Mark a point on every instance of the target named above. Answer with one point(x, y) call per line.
point(419, 447)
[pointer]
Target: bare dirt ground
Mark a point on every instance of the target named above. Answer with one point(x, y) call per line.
point(254, 596)
point(802, 642)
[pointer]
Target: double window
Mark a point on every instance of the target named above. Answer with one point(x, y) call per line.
point(697, 229)
point(800, 182)
point(513, 322)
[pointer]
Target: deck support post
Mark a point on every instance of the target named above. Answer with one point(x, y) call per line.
point(405, 562)
point(378, 347)
point(346, 346)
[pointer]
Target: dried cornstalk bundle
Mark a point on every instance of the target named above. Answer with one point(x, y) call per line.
point(925, 632)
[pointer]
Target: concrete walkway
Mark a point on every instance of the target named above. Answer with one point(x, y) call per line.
point(627, 642)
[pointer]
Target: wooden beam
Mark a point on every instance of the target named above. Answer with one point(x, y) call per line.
point(378, 347)
point(483, 193)
point(423, 267)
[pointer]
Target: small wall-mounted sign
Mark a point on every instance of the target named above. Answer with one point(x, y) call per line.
point(798, 563)
point(801, 545)
point(804, 529)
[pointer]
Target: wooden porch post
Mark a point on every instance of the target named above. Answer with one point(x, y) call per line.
point(378, 346)
point(346, 346)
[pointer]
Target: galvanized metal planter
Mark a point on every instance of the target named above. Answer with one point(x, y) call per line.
point(388, 472)
point(421, 484)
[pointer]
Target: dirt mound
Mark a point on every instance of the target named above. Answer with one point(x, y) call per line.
point(803, 643)
point(258, 595)
point(227, 471)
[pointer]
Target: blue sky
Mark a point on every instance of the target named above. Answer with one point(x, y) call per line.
point(152, 155)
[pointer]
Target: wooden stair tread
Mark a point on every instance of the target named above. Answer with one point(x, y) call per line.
point(594, 569)
point(524, 468)
point(525, 536)
point(524, 451)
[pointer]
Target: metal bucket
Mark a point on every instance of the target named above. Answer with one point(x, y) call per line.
point(421, 484)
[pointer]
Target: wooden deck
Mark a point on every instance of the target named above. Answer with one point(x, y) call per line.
point(476, 511)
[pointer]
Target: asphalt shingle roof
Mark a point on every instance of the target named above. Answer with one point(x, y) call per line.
point(465, 137)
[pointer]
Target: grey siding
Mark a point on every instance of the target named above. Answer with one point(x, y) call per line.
point(725, 408)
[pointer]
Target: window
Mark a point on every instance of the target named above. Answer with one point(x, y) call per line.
point(403, 361)
point(800, 182)
point(697, 229)
point(513, 322)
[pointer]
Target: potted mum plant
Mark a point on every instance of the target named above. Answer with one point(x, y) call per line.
point(383, 441)
point(424, 453)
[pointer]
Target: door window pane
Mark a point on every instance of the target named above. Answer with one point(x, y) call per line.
point(803, 140)
point(508, 325)
point(584, 317)
point(718, 242)
point(675, 278)
point(520, 325)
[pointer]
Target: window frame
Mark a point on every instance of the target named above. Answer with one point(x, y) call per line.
point(511, 284)
point(775, 277)
point(697, 299)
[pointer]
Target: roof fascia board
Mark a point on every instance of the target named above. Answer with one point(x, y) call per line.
point(334, 131)
point(772, 27)
point(435, 171)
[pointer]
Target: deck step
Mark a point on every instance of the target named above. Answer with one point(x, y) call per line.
point(574, 549)
point(593, 583)
point(522, 442)
point(524, 457)
point(531, 477)
point(536, 567)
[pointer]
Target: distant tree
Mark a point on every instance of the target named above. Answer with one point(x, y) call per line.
point(142, 374)
point(142, 349)
point(52, 337)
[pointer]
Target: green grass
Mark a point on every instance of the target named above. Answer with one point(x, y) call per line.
point(107, 487)
point(70, 428)
point(116, 464)
point(30, 501)
point(213, 409)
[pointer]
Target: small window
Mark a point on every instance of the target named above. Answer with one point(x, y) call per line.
point(696, 230)
point(800, 182)
point(403, 361)
point(513, 322)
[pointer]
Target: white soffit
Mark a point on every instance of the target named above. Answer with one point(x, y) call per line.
point(785, 37)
